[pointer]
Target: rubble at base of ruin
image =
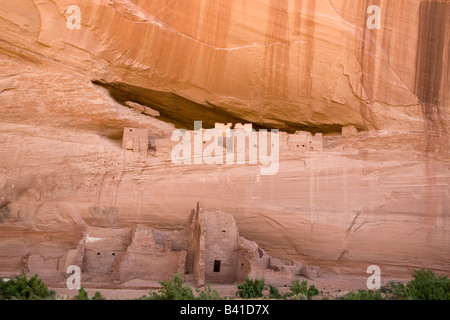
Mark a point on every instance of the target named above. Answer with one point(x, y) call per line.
point(208, 250)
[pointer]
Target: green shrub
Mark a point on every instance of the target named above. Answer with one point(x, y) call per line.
point(302, 288)
point(274, 293)
point(98, 296)
point(427, 286)
point(299, 296)
point(365, 295)
point(82, 294)
point(251, 289)
point(424, 286)
point(208, 294)
point(23, 289)
point(394, 291)
point(173, 290)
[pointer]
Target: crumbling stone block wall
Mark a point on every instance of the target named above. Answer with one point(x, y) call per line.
point(303, 141)
point(120, 255)
point(195, 260)
point(135, 139)
point(240, 144)
point(253, 261)
point(102, 248)
point(150, 266)
point(47, 269)
point(217, 254)
point(144, 259)
point(221, 247)
point(208, 250)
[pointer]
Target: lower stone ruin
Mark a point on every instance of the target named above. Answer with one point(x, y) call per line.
point(208, 250)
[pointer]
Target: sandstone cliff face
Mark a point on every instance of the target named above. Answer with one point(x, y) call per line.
point(380, 197)
point(285, 64)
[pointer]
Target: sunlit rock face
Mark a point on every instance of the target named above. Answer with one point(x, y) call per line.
point(284, 64)
point(378, 196)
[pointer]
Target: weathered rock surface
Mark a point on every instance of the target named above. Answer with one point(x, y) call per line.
point(286, 64)
point(380, 196)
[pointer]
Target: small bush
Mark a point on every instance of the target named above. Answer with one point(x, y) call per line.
point(302, 288)
point(299, 296)
point(394, 290)
point(23, 289)
point(251, 289)
point(274, 293)
point(427, 286)
point(424, 286)
point(173, 290)
point(98, 296)
point(82, 294)
point(365, 295)
point(208, 294)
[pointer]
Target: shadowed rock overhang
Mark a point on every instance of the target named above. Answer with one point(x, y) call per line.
point(182, 112)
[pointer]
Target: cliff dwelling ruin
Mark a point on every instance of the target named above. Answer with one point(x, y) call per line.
point(208, 250)
point(136, 139)
point(87, 127)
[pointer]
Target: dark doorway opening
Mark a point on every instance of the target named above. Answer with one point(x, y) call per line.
point(216, 265)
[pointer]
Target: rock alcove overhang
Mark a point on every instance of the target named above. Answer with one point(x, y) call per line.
point(182, 112)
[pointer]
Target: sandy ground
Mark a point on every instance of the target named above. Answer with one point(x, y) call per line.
point(330, 285)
